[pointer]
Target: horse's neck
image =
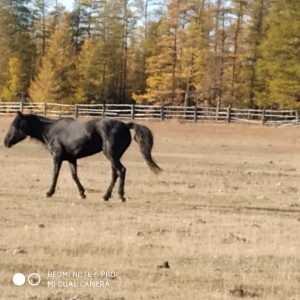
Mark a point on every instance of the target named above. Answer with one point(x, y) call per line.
point(38, 129)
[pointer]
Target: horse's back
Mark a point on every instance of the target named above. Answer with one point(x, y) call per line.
point(112, 129)
point(69, 127)
point(59, 126)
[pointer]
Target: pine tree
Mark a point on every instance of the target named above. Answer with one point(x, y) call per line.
point(42, 88)
point(151, 50)
point(41, 29)
point(16, 42)
point(159, 62)
point(145, 13)
point(164, 70)
point(258, 12)
point(91, 84)
point(14, 88)
point(85, 20)
point(195, 58)
point(56, 78)
point(278, 68)
point(236, 88)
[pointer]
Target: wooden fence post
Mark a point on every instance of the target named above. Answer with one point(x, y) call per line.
point(297, 115)
point(229, 113)
point(103, 110)
point(195, 113)
point(162, 113)
point(76, 111)
point(132, 111)
point(21, 106)
point(263, 118)
point(45, 109)
point(217, 113)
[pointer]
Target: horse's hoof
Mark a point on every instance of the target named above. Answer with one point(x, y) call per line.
point(105, 199)
point(82, 196)
point(48, 195)
point(122, 199)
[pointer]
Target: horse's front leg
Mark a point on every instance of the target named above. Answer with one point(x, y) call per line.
point(73, 168)
point(57, 164)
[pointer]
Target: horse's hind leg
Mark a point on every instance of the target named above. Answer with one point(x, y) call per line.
point(114, 177)
point(121, 172)
point(118, 170)
point(114, 148)
point(73, 168)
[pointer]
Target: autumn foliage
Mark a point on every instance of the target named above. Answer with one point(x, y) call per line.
point(179, 52)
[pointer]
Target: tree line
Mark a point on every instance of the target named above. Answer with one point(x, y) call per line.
point(180, 52)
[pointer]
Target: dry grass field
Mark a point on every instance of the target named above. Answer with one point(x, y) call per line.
point(224, 213)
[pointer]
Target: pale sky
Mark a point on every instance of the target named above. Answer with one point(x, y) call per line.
point(67, 3)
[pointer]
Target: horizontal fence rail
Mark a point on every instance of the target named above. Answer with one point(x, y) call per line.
point(155, 112)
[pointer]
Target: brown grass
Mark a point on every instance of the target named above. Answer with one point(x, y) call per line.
point(224, 213)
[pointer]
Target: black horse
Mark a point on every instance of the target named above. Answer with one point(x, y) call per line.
point(69, 139)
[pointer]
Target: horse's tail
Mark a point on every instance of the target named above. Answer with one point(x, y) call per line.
point(143, 136)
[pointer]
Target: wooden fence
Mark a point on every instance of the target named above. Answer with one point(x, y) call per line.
point(155, 112)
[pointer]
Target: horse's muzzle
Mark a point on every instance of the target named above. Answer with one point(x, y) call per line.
point(7, 144)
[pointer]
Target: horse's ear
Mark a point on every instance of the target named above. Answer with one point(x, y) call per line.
point(19, 115)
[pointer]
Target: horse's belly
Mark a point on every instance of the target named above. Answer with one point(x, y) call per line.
point(86, 150)
point(83, 146)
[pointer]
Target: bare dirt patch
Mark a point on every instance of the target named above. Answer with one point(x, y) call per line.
point(224, 214)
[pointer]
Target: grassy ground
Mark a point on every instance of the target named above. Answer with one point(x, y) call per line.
point(224, 214)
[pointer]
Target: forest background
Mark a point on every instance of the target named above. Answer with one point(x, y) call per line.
point(168, 52)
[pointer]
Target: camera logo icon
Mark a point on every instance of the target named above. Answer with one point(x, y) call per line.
point(19, 279)
point(33, 279)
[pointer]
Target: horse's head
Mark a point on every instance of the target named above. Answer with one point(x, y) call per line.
point(17, 131)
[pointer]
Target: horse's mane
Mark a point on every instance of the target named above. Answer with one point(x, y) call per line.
point(37, 126)
point(44, 119)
